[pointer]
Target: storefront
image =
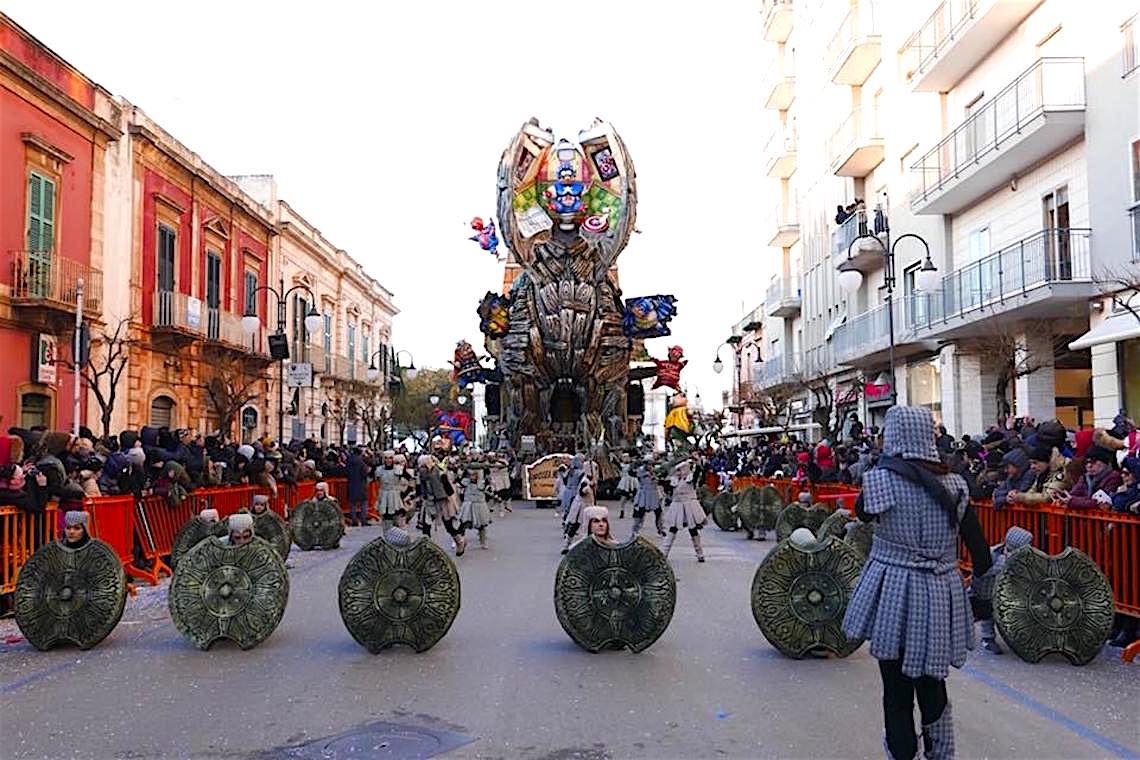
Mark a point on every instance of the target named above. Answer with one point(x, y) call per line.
point(1114, 343)
point(924, 386)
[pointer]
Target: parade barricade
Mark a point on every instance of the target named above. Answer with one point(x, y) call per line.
point(113, 521)
point(227, 500)
point(832, 494)
point(21, 533)
point(156, 525)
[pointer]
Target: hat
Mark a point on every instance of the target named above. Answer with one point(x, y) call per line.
point(260, 498)
point(245, 450)
point(136, 456)
point(1015, 457)
point(804, 497)
point(1132, 465)
point(1015, 538)
point(1100, 454)
point(595, 513)
point(1041, 453)
point(76, 517)
point(208, 515)
point(241, 521)
point(72, 493)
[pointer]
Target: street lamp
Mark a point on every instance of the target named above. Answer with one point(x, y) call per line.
point(925, 280)
point(736, 343)
point(250, 322)
point(409, 370)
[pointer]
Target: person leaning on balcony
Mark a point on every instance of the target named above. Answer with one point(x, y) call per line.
point(1050, 478)
point(1096, 487)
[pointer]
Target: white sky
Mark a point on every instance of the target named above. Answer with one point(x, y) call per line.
point(384, 122)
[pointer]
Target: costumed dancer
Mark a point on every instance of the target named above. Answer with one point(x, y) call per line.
point(981, 590)
point(389, 502)
point(627, 484)
point(910, 603)
point(396, 532)
point(241, 529)
point(597, 520)
point(684, 509)
point(437, 507)
point(474, 513)
point(570, 484)
point(583, 498)
point(500, 484)
point(648, 499)
point(75, 535)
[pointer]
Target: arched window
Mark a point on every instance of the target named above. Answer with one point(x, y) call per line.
point(162, 412)
point(35, 409)
point(248, 423)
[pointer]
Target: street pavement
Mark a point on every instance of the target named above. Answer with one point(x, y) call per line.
point(507, 682)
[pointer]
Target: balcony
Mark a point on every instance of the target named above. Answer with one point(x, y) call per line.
point(780, 81)
point(1134, 216)
point(1044, 276)
point(344, 368)
point(42, 286)
point(856, 48)
point(785, 298)
point(856, 147)
point(866, 254)
point(956, 36)
point(781, 153)
point(787, 227)
point(778, 19)
point(223, 331)
point(818, 361)
point(753, 321)
point(776, 371)
point(1033, 117)
point(177, 315)
point(861, 335)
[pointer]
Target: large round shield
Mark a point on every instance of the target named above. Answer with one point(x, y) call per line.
point(74, 595)
point(795, 516)
point(722, 512)
point(758, 508)
point(834, 524)
point(229, 592)
point(800, 593)
point(1059, 603)
point(190, 534)
point(271, 527)
point(399, 595)
point(614, 596)
point(859, 537)
point(317, 523)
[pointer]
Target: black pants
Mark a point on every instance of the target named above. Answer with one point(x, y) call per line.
point(899, 693)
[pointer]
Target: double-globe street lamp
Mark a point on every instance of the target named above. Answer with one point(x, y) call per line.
point(410, 371)
point(926, 280)
point(736, 343)
point(250, 322)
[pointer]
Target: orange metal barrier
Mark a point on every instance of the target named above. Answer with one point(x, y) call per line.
point(113, 521)
point(21, 533)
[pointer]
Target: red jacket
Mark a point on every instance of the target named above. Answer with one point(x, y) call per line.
point(1084, 441)
point(1083, 489)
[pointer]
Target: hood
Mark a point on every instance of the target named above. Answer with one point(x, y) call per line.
point(909, 433)
point(127, 439)
point(149, 436)
point(1016, 457)
point(1016, 538)
point(56, 442)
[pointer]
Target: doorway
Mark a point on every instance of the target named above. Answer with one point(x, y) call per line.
point(1055, 221)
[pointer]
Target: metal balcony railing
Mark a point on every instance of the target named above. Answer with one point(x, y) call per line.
point(45, 277)
point(938, 31)
point(786, 289)
point(178, 311)
point(862, 333)
point(1050, 83)
point(859, 22)
point(846, 233)
point(1134, 214)
point(859, 128)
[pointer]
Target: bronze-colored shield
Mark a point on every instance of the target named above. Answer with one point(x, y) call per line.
point(859, 537)
point(800, 594)
point(1059, 603)
point(722, 511)
point(229, 592)
point(190, 534)
point(795, 516)
point(614, 596)
point(834, 524)
point(271, 527)
point(399, 595)
point(74, 595)
point(759, 508)
point(317, 523)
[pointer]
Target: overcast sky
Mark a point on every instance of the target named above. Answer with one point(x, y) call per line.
point(384, 122)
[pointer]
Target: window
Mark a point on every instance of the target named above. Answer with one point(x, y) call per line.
point(1134, 211)
point(1129, 55)
point(327, 344)
point(35, 409)
point(365, 354)
point(249, 292)
point(164, 276)
point(162, 412)
point(213, 294)
point(41, 213)
point(1136, 171)
point(300, 334)
point(924, 386)
point(351, 350)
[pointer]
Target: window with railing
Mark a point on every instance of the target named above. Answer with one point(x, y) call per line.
point(326, 344)
point(213, 295)
point(939, 30)
point(1129, 51)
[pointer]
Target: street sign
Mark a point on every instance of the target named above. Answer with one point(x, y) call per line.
point(299, 375)
point(539, 481)
point(43, 359)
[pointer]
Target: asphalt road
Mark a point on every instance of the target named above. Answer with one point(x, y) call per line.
point(507, 682)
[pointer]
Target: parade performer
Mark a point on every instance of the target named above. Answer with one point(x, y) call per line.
point(500, 484)
point(910, 603)
point(474, 514)
point(241, 529)
point(259, 505)
point(684, 509)
point(981, 590)
point(598, 524)
point(627, 484)
point(75, 534)
point(583, 498)
point(648, 499)
point(437, 507)
point(570, 484)
point(391, 482)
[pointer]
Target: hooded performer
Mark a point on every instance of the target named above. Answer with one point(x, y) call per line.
point(684, 510)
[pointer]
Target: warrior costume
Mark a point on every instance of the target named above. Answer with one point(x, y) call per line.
point(685, 510)
point(474, 514)
point(647, 500)
point(981, 591)
point(626, 486)
point(581, 501)
point(389, 501)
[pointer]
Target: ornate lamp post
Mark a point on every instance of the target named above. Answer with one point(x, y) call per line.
point(736, 343)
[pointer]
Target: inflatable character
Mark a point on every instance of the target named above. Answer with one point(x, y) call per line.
point(678, 426)
point(465, 363)
point(648, 316)
point(485, 235)
point(669, 370)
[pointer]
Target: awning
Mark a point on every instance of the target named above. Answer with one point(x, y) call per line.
point(1119, 327)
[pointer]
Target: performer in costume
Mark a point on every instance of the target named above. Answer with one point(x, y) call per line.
point(684, 510)
point(391, 482)
point(436, 506)
point(570, 485)
point(598, 524)
point(647, 500)
point(474, 514)
point(75, 534)
point(627, 484)
point(259, 505)
point(981, 590)
point(241, 529)
point(583, 498)
point(500, 484)
point(910, 603)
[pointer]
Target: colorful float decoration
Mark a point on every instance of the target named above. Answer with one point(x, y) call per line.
point(494, 315)
point(678, 426)
point(669, 370)
point(485, 235)
point(648, 316)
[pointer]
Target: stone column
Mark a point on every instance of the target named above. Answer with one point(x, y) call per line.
point(1036, 393)
point(969, 402)
point(1105, 384)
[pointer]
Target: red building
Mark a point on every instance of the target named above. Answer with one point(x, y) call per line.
point(55, 125)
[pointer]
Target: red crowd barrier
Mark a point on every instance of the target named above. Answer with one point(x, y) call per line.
point(113, 521)
point(21, 533)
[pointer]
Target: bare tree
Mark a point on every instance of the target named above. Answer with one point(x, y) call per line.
point(1014, 350)
point(106, 361)
point(1123, 287)
point(229, 387)
point(774, 407)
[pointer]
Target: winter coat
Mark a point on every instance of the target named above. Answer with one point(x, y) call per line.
point(1019, 482)
point(1047, 486)
point(1081, 495)
point(357, 474)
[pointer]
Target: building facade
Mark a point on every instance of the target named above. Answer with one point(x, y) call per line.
point(55, 128)
point(991, 138)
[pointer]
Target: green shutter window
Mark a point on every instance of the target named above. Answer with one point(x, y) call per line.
point(41, 213)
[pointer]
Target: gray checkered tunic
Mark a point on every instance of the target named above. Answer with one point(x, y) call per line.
point(910, 602)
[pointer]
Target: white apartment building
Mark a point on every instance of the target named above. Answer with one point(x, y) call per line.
point(1001, 137)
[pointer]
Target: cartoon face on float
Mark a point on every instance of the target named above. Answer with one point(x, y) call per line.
point(565, 179)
